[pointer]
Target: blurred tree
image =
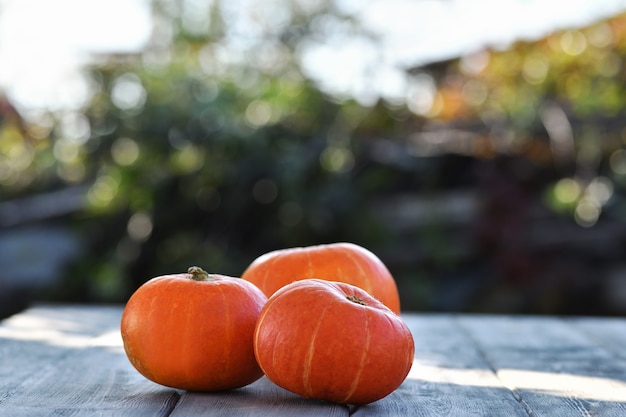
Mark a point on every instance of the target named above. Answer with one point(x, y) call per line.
point(213, 146)
point(198, 154)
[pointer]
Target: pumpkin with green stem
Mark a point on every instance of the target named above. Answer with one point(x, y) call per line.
point(193, 330)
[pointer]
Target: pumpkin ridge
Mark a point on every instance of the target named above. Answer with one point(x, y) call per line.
point(306, 383)
point(227, 318)
point(263, 281)
point(364, 352)
point(358, 267)
point(187, 353)
point(259, 324)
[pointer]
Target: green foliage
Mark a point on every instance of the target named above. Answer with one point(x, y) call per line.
point(188, 167)
point(209, 151)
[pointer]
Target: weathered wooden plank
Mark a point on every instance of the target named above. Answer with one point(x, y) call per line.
point(262, 398)
point(449, 377)
point(69, 361)
point(609, 333)
point(79, 368)
point(553, 369)
point(41, 336)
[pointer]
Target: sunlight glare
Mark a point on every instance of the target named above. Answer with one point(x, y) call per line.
point(565, 384)
point(550, 383)
point(441, 375)
point(40, 329)
point(44, 44)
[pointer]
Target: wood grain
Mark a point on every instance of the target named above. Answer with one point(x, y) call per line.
point(68, 360)
point(449, 377)
point(610, 333)
point(262, 398)
point(553, 368)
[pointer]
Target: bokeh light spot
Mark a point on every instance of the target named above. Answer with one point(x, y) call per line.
point(337, 159)
point(103, 191)
point(72, 172)
point(125, 151)
point(66, 151)
point(600, 189)
point(473, 64)
point(127, 93)
point(139, 226)
point(617, 161)
point(573, 42)
point(422, 92)
point(187, 160)
point(75, 127)
point(475, 92)
point(535, 70)
point(601, 35)
point(567, 190)
point(587, 212)
point(258, 113)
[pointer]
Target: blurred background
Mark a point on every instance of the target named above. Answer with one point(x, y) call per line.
point(477, 147)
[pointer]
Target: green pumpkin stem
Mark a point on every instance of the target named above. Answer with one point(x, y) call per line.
point(198, 274)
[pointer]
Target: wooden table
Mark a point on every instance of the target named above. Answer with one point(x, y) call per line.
point(68, 360)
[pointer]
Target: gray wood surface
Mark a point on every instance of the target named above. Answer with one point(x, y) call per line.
point(59, 361)
point(449, 377)
point(68, 360)
point(552, 367)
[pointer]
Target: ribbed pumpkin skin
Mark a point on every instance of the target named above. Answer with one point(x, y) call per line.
point(193, 335)
point(342, 262)
point(311, 339)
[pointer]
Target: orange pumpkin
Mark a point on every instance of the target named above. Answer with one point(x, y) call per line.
point(343, 262)
point(193, 331)
point(332, 341)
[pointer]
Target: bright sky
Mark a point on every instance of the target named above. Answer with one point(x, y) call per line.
point(420, 31)
point(43, 42)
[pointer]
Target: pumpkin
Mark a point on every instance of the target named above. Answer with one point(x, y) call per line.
point(193, 331)
point(343, 262)
point(332, 341)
